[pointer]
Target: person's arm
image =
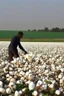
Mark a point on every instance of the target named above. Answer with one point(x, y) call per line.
point(20, 46)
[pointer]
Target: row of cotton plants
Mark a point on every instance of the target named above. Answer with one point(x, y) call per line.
point(38, 73)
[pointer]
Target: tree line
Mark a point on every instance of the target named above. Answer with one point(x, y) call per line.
point(46, 29)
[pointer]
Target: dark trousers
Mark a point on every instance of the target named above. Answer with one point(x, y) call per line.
point(12, 54)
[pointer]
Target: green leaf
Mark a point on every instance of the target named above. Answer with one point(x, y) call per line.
point(46, 95)
point(20, 86)
point(48, 82)
point(52, 91)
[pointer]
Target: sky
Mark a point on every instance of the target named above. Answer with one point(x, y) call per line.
point(31, 14)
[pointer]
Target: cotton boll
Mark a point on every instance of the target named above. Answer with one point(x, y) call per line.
point(2, 64)
point(5, 70)
point(53, 82)
point(26, 56)
point(23, 61)
point(19, 62)
point(57, 92)
point(22, 78)
point(53, 67)
point(61, 81)
point(12, 85)
point(17, 93)
point(60, 76)
point(17, 58)
point(63, 78)
point(27, 73)
point(39, 83)
point(61, 89)
point(27, 82)
point(5, 86)
point(8, 78)
point(7, 75)
point(15, 73)
point(1, 84)
point(40, 94)
point(10, 68)
point(6, 62)
point(14, 61)
point(19, 82)
point(44, 86)
point(31, 76)
point(8, 91)
point(46, 71)
point(20, 92)
point(24, 90)
point(22, 73)
point(51, 86)
point(12, 80)
point(31, 54)
point(11, 73)
point(30, 69)
point(31, 86)
point(2, 90)
point(62, 69)
point(35, 93)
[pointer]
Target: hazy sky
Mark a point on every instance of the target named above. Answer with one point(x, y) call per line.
point(30, 14)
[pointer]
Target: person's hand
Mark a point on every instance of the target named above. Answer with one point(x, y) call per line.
point(26, 52)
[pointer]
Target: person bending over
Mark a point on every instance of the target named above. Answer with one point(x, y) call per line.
point(12, 49)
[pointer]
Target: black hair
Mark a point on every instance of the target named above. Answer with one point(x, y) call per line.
point(20, 33)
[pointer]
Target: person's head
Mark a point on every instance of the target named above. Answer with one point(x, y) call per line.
point(20, 34)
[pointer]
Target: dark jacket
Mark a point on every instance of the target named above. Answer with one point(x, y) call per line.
point(14, 43)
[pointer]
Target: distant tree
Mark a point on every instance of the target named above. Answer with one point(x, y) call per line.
point(38, 30)
point(29, 30)
point(62, 30)
point(46, 29)
point(34, 30)
point(56, 29)
point(53, 29)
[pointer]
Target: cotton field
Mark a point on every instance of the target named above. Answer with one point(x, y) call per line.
point(38, 73)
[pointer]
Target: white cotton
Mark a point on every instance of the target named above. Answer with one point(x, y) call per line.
point(1, 84)
point(35, 93)
point(8, 91)
point(57, 92)
point(31, 85)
